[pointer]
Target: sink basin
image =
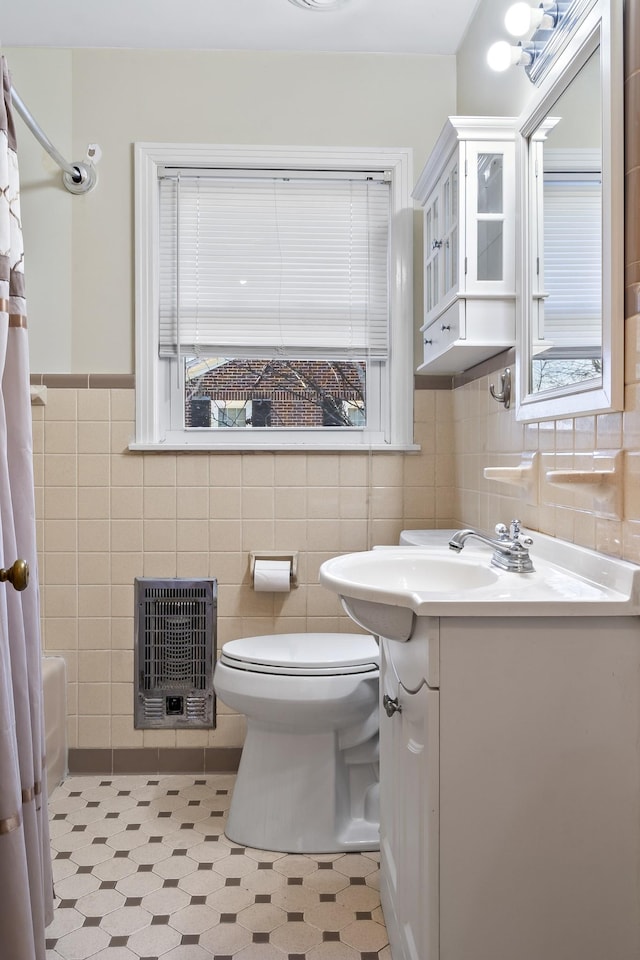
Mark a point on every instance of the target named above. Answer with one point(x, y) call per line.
point(386, 588)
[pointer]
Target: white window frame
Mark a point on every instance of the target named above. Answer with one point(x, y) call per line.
point(394, 413)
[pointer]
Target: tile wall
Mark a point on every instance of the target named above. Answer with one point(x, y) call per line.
point(107, 515)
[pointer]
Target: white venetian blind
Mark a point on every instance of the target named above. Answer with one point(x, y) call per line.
point(255, 265)
point(572, 261)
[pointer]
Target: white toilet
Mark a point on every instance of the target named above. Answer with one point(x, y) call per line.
point(308, 776)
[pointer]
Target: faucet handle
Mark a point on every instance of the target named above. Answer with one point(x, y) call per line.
point(501, 531)
point(516, 535)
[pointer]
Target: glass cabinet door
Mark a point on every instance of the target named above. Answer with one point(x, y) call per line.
point(432, 248)
point(490, 241)
point(450, 238)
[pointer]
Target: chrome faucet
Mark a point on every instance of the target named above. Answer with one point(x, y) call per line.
point(510, 547)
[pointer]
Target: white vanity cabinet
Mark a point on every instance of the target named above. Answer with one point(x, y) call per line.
point(467, 191)
point(510, 789)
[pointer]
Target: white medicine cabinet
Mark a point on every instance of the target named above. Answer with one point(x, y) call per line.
point(467, 191)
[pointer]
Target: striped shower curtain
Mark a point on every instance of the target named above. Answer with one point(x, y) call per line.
point(26, 900)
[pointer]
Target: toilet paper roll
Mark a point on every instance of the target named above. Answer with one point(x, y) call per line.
point(272, 576)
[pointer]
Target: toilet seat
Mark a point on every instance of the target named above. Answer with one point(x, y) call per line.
point(308, 654)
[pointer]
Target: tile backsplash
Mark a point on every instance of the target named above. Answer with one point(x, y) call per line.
point(107, 515)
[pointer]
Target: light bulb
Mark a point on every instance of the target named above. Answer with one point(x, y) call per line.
point(521, 20)
point(499, 56)
point(517, 19)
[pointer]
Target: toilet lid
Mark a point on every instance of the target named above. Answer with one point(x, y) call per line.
point(306, 654)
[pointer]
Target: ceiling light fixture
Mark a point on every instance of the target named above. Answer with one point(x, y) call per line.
point(323, 5)
point(537, 28)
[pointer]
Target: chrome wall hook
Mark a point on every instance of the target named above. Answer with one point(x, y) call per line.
point(504, 396)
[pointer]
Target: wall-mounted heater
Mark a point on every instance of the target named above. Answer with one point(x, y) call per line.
point(175, 646)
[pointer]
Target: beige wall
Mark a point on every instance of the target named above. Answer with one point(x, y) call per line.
point(118, 97)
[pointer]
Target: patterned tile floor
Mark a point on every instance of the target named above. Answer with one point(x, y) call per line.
point(143, 871)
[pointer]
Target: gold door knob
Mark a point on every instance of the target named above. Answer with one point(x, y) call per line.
point(17, 574)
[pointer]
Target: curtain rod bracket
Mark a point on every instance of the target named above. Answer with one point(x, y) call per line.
point(78, 177)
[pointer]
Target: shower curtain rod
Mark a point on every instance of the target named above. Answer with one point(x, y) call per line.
point(77, 177)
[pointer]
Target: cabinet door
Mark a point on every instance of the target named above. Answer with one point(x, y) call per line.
point(418, 879)
point(432, 252)
point(450, 232)
point(391, 752)
point(409, 815)
point(490, 218)
point(442, 241)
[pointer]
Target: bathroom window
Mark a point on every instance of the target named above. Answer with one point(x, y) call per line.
point(273, 303)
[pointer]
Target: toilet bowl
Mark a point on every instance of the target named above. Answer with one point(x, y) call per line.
point(308, 775)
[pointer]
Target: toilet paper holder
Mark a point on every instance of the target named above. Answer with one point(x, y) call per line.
point(290, 555)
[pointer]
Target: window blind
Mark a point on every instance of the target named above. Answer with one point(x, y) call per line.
point(268, 266)
point(572, 261)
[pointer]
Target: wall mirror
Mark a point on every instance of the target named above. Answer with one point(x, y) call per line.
point(571, 321)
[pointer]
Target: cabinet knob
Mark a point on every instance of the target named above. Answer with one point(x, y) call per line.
point(391, 705)
point(436, 244)
point(428, 342)
point(445, 326)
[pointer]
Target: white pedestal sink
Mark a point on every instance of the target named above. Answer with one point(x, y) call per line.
point(509, 757)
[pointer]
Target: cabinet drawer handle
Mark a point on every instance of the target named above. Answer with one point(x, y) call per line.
point(391, 705)
point(436, 244)
point(428, 343)
point(445, 326)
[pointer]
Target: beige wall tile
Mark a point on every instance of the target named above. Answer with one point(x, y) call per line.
point(192, 535)
point(193, 470)
point(258, 503)
point(93, 568)
point(159, 536)
point(60, 470)
point(59, 601)
point(159, 469)
point(94, 666)
point(61, 405)
point(94, 731)
point(258, 470)
point(93, 470)
point(225, 503)
point(126, 503)
point(123, 733)
point(60, 503)
point(61, 632)
point(122, 601)
point(159, 503)
point(94, 633)
point(93, 535)
point(225, 535)
point(225, 470)
point(94, 503)
point(60, 436)
point(60, 568)
point(94, 699)
point(93, 405)
point(94, 437)
point(290, 470)
point(123, 405)
point(60, 535)
point(127, 535)
point(126, 470)
point(94, 600)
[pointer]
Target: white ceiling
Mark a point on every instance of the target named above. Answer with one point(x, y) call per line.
point(378, 26)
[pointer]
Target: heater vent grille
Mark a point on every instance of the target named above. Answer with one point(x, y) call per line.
point(175, 652)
